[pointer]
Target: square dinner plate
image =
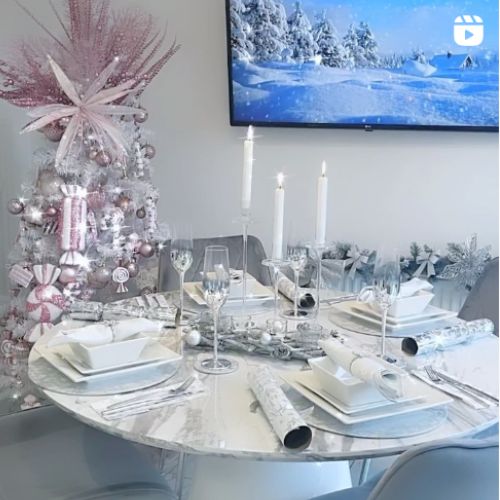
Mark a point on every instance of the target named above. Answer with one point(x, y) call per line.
point(63, 359)
point(260, 294)
point(431, 315)
point(419, 396)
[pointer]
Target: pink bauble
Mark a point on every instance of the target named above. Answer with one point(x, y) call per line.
point(133, 269)
point(45, 304)
point(103, 159)
point(149, 151)
point(68, 275)
point(99, 278)
point(53, 132)
point(147, 249)
point(141, 116)
point(15, 206)
point(51, 212)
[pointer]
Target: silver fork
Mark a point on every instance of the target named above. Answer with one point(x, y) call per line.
point(159, 393)
point(436, 378)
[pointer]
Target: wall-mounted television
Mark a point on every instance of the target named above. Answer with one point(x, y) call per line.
point(419, 64)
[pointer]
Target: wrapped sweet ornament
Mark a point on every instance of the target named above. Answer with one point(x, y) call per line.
point(151, 220)
point(73, 227)
point(45, 303)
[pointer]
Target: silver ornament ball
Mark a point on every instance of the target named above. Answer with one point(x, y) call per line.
point(133, 269)
point(15, 206)
point(193, 338)
point(100, 277)
point(141, 116)
point(141, 213)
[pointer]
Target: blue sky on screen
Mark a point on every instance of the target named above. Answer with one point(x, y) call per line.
point(403, 25)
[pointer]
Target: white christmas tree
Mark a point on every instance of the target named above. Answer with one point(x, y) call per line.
point(331, 51)
point(242, 47)
point(267, 33)
point(369, 45)
point(300, 38)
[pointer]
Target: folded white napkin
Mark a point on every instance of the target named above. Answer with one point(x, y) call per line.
point(415, 285)
point(105, 332)
point(370, 369)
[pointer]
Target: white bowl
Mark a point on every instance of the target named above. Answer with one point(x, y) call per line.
point(410, 306)
point(113, 354)
point(342, 385)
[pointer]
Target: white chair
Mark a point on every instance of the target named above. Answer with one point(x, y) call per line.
point(461, 470)
point(47, 455)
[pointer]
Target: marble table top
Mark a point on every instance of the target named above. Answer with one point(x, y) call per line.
point(224, 421)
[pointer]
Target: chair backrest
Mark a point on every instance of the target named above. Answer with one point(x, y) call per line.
point(482, 301)
point(461, 470)
point(256, 254)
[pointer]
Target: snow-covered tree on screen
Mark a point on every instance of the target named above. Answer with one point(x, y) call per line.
point(419, 56)
point(300, 38)
point(369, 45)
point(330, 49)
point(242, 47)
point(267, 37)
point(355, 53)
point(394, 61)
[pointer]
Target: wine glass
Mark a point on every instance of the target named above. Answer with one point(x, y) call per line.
point(216, 282)
point(181, 255)
point(385, 287)
point(297, 255)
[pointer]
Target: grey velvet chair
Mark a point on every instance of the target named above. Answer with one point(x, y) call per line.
point(169, 279)
point(47, 455)
point(482, 301)
point(460, 470)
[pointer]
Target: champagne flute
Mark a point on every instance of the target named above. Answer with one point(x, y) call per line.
point(386, 285)
point(181, 255)
point(216, 282)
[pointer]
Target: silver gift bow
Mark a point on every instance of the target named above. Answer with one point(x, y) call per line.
point(426, 264)
point(355, 258)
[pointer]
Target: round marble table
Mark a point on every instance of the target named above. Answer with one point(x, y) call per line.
point(223, 425)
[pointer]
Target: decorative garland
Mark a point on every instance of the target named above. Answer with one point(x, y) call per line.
point(464, 262)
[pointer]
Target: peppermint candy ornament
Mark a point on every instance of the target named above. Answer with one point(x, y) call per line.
point(121, 276)
point(45, 303)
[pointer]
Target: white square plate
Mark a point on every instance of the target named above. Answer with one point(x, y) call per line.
point(420, 397)
point(431, 315)
point(63, 359)
point(260, 294)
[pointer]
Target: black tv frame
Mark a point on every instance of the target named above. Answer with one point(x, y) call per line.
point(364, 127)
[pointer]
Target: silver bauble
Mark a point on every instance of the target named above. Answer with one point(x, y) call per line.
point(141, 213)
point(53, 132)
point(68, 275)
point(49, 183)
point(147, 250)
point(15, 206)
point(149, 151)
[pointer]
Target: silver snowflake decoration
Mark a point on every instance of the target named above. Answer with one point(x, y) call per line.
point(468, 262)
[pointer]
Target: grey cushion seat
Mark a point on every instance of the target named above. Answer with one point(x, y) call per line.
point(461, 470)
point(256, 254)
point(47, 455)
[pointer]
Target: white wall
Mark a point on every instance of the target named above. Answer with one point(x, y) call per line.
point(392, 187)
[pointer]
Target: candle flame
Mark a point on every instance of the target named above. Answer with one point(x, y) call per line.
point(250, 133)
point(323, 169)
point(280, 178)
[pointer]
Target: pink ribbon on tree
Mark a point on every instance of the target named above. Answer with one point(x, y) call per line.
point(89, 109)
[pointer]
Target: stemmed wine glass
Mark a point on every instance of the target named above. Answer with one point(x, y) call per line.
point(297, 255)
point(216, 282)
point(181, 255)
point(385, 287)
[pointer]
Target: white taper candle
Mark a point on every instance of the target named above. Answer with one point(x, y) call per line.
point(279, 212)
point(322, 207)
point(246, 186)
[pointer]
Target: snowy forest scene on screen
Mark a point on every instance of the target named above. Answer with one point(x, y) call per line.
point(360, 62)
